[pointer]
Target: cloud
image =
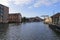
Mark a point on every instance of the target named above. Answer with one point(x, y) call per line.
point(30, 7)
point(11, 10)
point(22, 2)
point(34, 3)
point(16, 2)
point(11, 3)
point(39, 3)
point(4, 2)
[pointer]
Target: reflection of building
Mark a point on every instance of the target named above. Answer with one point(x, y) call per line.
point(3, 28)
point(4, 14)
point(15, 17)
point(56, 18)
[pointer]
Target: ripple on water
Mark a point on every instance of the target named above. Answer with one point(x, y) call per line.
point(27, 31)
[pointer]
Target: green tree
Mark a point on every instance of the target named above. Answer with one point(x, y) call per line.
point(24, 19)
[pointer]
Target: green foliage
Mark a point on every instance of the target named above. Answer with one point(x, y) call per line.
point(24, 19)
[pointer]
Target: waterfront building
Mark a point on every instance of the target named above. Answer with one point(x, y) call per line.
point(55, 22)
point(35, 19)
point(14, 17)
point(4, 11)
point(48, 20)
point(56, 18)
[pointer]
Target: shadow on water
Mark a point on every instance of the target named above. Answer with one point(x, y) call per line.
point(14, 24)
point(3, 27)
point(57, 33)
point(3, 30)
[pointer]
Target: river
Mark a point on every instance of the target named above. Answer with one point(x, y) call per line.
point(27, 31)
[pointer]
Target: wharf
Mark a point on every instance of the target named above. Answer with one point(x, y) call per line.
point(55, 27)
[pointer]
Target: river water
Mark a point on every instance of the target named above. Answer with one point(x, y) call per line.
point(27, 31)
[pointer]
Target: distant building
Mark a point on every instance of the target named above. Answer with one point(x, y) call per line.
point(48, 20)
point(4, 11)
point(15, 17)
point(35, 19)
point(56, 18)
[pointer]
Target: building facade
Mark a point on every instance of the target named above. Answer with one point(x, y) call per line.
point(4, 11)
point(56, 18)
point(14, 18)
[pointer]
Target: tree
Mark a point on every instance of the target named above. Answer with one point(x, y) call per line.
point(24, 19)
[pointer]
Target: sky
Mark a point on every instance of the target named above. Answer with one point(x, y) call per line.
point(32, 8)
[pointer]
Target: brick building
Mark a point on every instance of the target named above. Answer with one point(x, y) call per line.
point(4, 11)
point(15, 17)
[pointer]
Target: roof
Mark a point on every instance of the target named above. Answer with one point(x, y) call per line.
point(15, 14)
point(56, 15)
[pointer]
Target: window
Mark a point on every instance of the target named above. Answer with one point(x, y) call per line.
point(1, 11)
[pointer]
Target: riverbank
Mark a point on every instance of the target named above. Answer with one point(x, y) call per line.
point(54, 27)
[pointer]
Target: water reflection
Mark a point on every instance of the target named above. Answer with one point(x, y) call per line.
point(3, 30)
point(27, 31)
point(13, 32)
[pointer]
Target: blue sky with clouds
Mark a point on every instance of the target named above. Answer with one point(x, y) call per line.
point(32, 8)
